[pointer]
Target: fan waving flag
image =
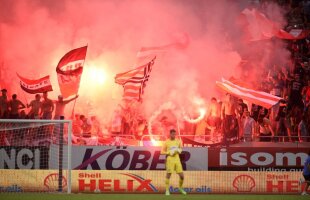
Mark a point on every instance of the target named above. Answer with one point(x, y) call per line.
point(69, 71)
point(35, 86)
point(263, 99)
point(134, 81)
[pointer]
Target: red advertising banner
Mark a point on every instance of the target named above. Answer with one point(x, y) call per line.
point(257, 158)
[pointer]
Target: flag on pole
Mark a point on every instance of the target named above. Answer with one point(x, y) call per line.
point(134, 81)
point(263, 99)
point(69, 71)
point(35, 86)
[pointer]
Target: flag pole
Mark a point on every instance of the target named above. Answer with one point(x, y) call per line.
point(24, 94)
point(72, 113)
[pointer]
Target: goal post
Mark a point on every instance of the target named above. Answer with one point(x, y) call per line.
point(36, 153)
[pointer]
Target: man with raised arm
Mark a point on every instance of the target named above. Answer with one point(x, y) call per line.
point(60, 105)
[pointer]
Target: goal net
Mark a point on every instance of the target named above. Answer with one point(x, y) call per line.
point(35, 154)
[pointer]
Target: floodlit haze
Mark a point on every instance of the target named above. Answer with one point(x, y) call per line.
point(35, 34)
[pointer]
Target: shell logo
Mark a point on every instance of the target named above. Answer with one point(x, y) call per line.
point(244, 183)
point(51, 182)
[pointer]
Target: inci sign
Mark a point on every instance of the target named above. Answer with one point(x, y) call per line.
point(24, 157)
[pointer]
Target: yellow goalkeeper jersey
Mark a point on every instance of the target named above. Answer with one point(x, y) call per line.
point(171, 146)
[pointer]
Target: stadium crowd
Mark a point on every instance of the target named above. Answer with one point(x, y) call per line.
point(230, 119)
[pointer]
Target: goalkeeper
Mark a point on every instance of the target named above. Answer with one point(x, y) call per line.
point(172, 148)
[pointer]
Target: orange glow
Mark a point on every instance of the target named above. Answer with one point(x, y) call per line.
point(199, 102)
point(155, 142)
point(94, 75)
point(202, 113)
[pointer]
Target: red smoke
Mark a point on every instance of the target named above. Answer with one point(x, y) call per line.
point(36, 34)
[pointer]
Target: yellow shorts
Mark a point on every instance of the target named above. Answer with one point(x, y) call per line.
point(174, 166)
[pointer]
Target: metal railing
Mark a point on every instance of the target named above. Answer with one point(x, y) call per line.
point(123, 136)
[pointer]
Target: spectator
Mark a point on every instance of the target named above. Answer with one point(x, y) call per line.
point(227, 115)
point(247, 127)
point(4, 106)
point(14, 106)
point(214, 118)
point(264, 129)
point(303, 133)
point(47, 107)
point(86, 126)
point(295, 93)
point(241, 107)
point(282, 126)
point(295, 116)
point(277, 86)
point(60, 106)
point(35, 105)
point(87, 134)
point(255, 111)
point(142, 124)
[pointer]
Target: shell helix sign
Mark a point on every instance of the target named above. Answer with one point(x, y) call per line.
point(121, 182)
point(128, 181)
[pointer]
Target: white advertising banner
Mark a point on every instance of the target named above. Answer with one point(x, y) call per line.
point(128, 158)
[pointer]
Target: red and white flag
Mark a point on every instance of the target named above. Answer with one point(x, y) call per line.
point(134, 81)
point(35, 86)
point(259, 27)
point(69, 71)
point(263, 99)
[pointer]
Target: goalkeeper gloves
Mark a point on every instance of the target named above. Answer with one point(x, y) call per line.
point(174, 151)
point(171, 152)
